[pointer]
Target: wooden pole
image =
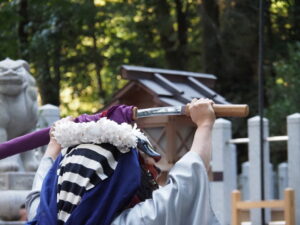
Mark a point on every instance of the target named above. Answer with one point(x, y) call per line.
point(235, 110)
point(231, 110)
point(236, 197)
point(289, 207)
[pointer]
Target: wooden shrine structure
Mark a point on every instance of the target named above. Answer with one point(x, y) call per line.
point(152, 87)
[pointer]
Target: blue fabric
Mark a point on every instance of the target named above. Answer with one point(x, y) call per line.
point(101, 204)
point(47, 210)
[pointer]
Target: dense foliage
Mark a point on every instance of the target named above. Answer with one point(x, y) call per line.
point(76, 47)
point(283, 88)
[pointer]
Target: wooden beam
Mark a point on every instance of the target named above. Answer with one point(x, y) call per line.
point(127, 70)
point(167, 84)
point(155, 142)
point(260, 204)
point(235, 198)
point(288, 204)
point(171, 143)
point(138, 72)
point(289, 207)
point(157, 121)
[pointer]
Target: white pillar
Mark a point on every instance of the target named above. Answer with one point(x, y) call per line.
point(293, 128)
point(224, 170)
point(48, 114)
point(282, 179)
point(255, 172)
point(245, 181)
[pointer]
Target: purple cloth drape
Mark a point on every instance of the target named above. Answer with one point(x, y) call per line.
point(118, 113)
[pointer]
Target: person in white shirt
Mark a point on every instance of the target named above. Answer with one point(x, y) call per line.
point(184, 200)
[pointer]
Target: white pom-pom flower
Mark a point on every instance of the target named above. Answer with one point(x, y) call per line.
point(123, 136)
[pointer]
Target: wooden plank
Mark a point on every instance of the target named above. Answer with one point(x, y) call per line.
point(277, 214)
point(128, 71)
point(182, 120)
point(154, 142)
point(289, 207)
point(184, 140)
point(261, 204)
point(157, 121)
point(167, 84)
point(235, 198)
point(171, 143)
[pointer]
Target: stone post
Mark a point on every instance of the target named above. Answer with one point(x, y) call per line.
point(48, 114)
point(10, 202)
point(293, 130)
point(255, 168)
point(245, 181)
point(282, 179)
point(223, 169)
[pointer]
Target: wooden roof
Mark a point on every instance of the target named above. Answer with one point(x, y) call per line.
point(150, 87)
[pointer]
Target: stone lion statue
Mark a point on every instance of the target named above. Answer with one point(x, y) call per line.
point(18, 110)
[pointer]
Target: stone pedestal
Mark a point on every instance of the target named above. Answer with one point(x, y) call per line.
point(11, 201)
point(11, 223)
point(14, 187)
point(16, 180)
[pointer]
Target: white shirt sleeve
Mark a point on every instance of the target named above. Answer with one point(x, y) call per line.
point(184, 200)
point(33, 198)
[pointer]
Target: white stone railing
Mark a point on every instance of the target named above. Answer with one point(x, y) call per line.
point(224, 163)
point(15, 185)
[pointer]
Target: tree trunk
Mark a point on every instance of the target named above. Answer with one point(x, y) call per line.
point(22, 34)
point(269, 35)
point(239, 33)
point(96, 57)
point(48, 89)
point(168, 36)
point(296, 20)
point(57, 73)
point(211, 43)
point(98, 66)
point(182, 32)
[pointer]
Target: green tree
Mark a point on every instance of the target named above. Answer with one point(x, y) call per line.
point(283, 89)
point(8, 36)
point(76, 47)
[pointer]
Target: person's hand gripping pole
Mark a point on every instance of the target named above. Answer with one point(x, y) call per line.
point(203, 115)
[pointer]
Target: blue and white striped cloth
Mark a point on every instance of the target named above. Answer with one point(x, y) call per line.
point(81, 169)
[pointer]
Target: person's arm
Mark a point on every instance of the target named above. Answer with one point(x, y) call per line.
point(33, 198)
point(203, 116)
point(51, 153)
point(185, 199)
